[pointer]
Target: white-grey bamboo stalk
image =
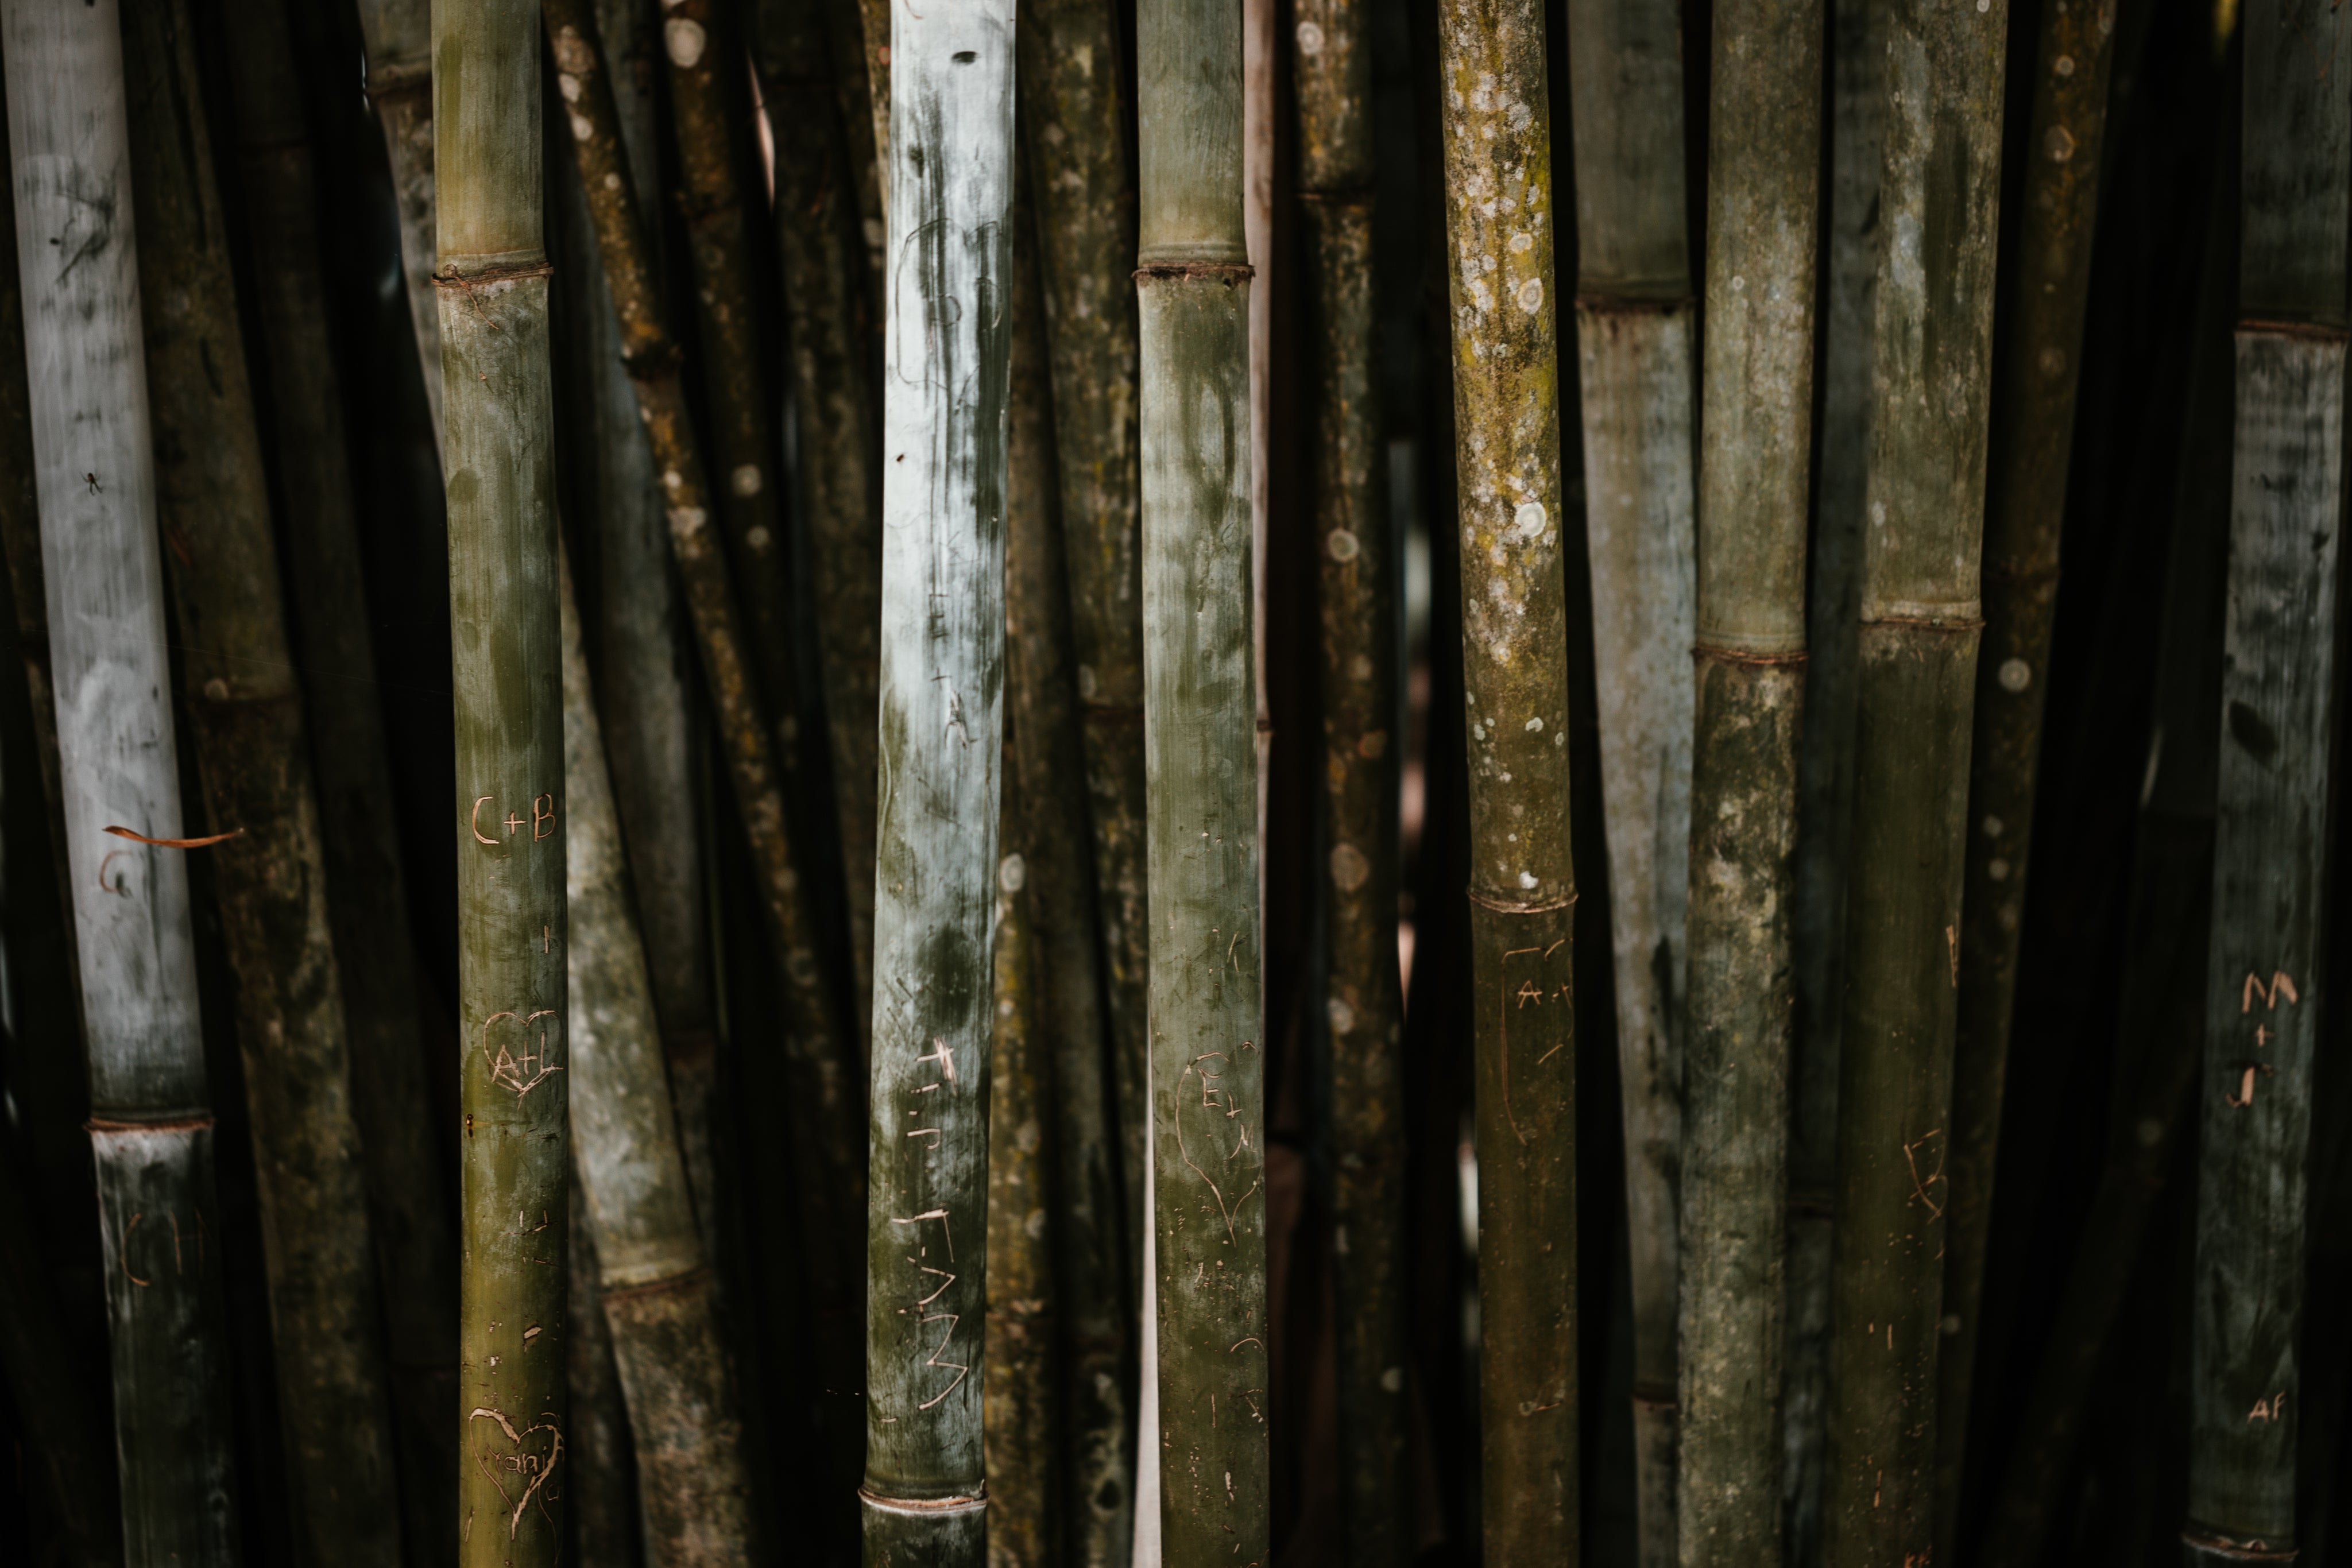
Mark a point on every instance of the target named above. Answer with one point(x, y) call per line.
point(946, 369)
point(151, 1123)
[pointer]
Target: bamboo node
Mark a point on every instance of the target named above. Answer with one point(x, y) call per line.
point(925, 1506)
point(1723, 656)
point(1230, 271)
point(176, 1124)
point(1517, 906)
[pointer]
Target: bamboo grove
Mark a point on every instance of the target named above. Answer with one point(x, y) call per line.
point(1174, 783)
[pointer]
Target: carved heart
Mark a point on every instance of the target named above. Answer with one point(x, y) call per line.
point(522, 1468)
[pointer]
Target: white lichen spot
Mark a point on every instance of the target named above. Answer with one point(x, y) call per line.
point(685, 39)
point(1087, 682)
point(1527, 881)
point(1342, 545)
point(1349, 868)
point(2059, 144)
point(1992, 827)
point(1528, 521)
point(1310, 39)
point(1012, 874)
point(1997, 869)
point(1530, 296)
point(1392, 1380)
point(1342, 1016)
point(2064, 65)
point(747, 479)
point(1738, 284)
point(612, 179)
point(1522, 243)
point(582, 130)
point(1035, 1225)
point(2014, 675)
point(757, 537)
point(569, 86)
point(1535, 726)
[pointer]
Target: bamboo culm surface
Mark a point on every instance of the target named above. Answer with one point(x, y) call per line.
point(1764, 150)
point(1500, 222)
point(829, 1167)
point(399, 40)
point(660, 1298)
point(1825, 750)
point(1207, 1057)
point(367, 897)
point(1637, 358)
point(253, 756)
point(2264, 975)
point(1363, 1001)
point(947, 367)
point(1938, 192)
point(150, 1123)
point(509, 794)
point(1076, 137)
point(2025, 505)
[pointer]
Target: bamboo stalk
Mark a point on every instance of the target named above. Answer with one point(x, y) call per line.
point(2160, 1029)
point(1207, 1099)
point(1939, 187)
point(1763, 180)
point(253, 757)
point(498, 455)
point(2264, 976)
point(367, 898)
point(1363, 1001)
point(829, 1175)
point(947, 365)
point(637, 627)
point(1826, 754)
point(1046, 775)
point(844, 27)
point(1022, 1435)
point(603, 1517)
point(873, 17)
point(1636, 357)
point(399, 39)
point(660, 1299)
point(2025, 509)
point(1076, 139)
point(151, 1125)
point(834, 401)
point(1498, 136)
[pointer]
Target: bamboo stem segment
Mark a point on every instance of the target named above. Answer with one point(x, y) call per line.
point(1764, 136)
point(1207, 1058)
point(150, 1127)
point(511, 819)
point(2025, 507)
point(2264, 976)
point(947, 363)
point(1940, 188)
point(1501, 218)
point(399, 39)
point(254, 758)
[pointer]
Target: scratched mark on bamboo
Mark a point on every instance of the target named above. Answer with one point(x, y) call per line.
point(1215, 1096)
point(532, 1470)
point(1531, 991)
point(541, 821)
point(2280, 985)
point(507, 1069)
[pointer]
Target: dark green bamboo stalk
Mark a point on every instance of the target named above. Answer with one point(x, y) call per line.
point(151, 1125)
point(834, 405)
point(1207, 1063)
point(398, 35)
point(1636, 357)
point(1022, 1421)
point(1075, 136)
point(947, 369)
point(2264, 978)
point(1763, 186)
point(2025, 507)
point(514, 1088)
point(829, 1172)
point(1825, 755)
point(253, 757)
point(660, 1299)
point(2160, 1026)
point(1045, 774)
point(367, 896)
point(1363, 1001)
point(1501, 218)
point(844, 38)
point(1937, 211)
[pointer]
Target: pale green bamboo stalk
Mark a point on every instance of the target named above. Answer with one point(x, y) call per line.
point(1075, 138)
point(1936, 236)
point(496, 449)
point(252, 757)
point(398, 35)
point(2025, 509)
point(151, 1125)
point(367, 896)
point(1500, 219)
point(1047, 780)
point(1636, 356)
point(2265, 972)
point(1363, 999)
point(947, 361)
point(660, 1299)
point(1207, 1063)
point(1763, 183)
point(1825, 755)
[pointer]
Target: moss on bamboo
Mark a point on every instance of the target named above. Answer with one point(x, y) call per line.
point(1076, 137)
point(1363, 1004)
point(509, 817)
point(1764, 135)
point(2025, 506)
point(1498, 130)
point(1938, 193)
